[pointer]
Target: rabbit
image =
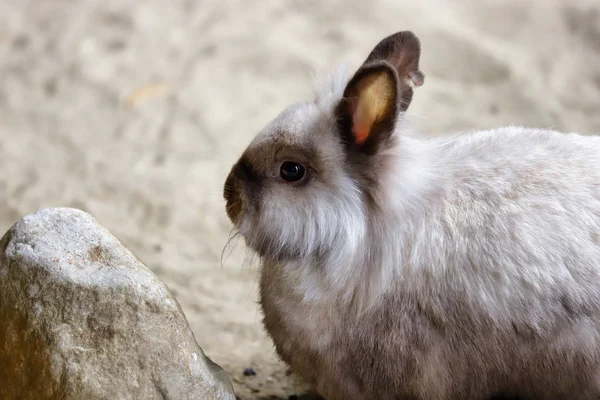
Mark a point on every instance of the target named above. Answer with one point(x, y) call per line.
point(394, 265)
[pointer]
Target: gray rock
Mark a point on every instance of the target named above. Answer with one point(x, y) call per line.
point(82, 318)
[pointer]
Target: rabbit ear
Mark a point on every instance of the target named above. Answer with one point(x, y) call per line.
point(380, 89)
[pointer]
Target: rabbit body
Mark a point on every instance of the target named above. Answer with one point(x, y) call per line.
point(402, 267)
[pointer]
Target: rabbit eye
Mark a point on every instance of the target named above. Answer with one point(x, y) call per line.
point(291, 171)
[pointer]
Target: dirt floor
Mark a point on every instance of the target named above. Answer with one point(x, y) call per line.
point(134, 111)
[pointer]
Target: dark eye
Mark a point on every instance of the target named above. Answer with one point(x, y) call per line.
point(291, 171)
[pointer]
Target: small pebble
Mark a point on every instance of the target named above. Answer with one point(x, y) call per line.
point(249, 372)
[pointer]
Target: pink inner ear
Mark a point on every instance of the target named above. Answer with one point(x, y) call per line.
point(361, 131)
point(363, 117)
point(376, 96)
point(361, 122)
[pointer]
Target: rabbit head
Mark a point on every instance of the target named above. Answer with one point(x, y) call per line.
point(308, 184)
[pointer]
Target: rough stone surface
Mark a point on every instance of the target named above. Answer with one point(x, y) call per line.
point(83, 318)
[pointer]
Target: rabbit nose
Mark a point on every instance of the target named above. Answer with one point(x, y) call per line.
point(233, 205)
point(228, 188)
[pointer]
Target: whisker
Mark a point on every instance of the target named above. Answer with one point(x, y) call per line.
point(233, 236)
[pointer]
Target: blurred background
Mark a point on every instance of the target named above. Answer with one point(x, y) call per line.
point(134, 111)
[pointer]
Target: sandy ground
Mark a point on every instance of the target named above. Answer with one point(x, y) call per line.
point(135, 110)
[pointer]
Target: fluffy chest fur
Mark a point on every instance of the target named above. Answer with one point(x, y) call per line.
point(495, 282)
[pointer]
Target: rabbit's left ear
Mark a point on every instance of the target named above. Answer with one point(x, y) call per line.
point(379, 90)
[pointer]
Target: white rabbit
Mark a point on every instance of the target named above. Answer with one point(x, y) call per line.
point(400, 267)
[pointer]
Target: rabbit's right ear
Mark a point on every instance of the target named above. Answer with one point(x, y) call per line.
point(379, 90)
